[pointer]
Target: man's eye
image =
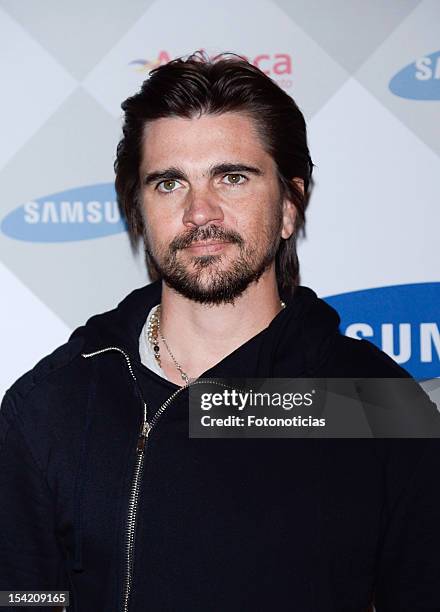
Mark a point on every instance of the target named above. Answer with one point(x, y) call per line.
point(167, 186)
point(234, 179)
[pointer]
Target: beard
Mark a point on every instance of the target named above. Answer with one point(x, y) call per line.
point(203, 279)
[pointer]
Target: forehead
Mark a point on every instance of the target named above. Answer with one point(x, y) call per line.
point(202, 140)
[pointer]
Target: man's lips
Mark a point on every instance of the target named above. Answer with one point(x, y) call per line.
point(211, 246)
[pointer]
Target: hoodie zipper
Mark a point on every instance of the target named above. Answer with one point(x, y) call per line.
point(141, 447)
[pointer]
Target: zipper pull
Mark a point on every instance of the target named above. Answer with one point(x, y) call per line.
point(145, 430)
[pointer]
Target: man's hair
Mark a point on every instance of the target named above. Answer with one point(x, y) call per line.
point(201, 85)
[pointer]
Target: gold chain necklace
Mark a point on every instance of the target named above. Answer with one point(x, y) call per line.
point(154, 333)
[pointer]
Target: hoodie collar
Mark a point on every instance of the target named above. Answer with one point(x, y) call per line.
point(122, 325)
point(296, 341)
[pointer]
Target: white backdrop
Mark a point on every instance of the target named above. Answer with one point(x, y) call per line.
point(365, 74)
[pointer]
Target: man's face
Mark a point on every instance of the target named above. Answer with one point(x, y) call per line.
point(211, 203)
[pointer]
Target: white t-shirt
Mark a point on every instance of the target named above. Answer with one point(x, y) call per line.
point(146, 352)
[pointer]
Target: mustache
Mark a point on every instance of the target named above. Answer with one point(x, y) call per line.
point(197, 234)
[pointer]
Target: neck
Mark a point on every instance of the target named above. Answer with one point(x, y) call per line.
point(201, 335)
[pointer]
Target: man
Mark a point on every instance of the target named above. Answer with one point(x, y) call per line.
point(104, 493)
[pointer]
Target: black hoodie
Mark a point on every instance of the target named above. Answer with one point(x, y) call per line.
point(172, 523)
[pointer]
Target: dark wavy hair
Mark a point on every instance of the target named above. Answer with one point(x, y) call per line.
point(202, 85)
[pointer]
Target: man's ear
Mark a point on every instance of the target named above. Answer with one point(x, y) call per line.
point(289, 211)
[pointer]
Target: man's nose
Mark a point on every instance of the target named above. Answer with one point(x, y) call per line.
point(202, 207)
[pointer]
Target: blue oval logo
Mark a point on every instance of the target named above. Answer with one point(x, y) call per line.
point(402, 320)
point(81, 213)
point(419, 80)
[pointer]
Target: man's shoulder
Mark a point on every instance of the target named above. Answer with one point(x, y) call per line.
point(39, 398)
point(47, 370)
point(352, 358)
point(89, 333)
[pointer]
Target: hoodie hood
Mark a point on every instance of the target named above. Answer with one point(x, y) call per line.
point(296, 342)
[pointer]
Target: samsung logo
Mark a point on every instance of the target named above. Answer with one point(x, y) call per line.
point(81, 213)
point(419, 80)
point(402, 320)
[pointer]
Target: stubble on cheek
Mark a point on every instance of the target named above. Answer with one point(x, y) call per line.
point(214, 278)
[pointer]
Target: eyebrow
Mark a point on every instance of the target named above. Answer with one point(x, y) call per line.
point(173, 172)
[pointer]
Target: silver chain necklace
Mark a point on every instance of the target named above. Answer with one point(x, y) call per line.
point(153, 332)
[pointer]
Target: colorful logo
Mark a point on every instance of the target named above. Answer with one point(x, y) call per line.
point(81, 213)
point(419, 80)
point(402, 320)
point(145, 65)
point(276, 65)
